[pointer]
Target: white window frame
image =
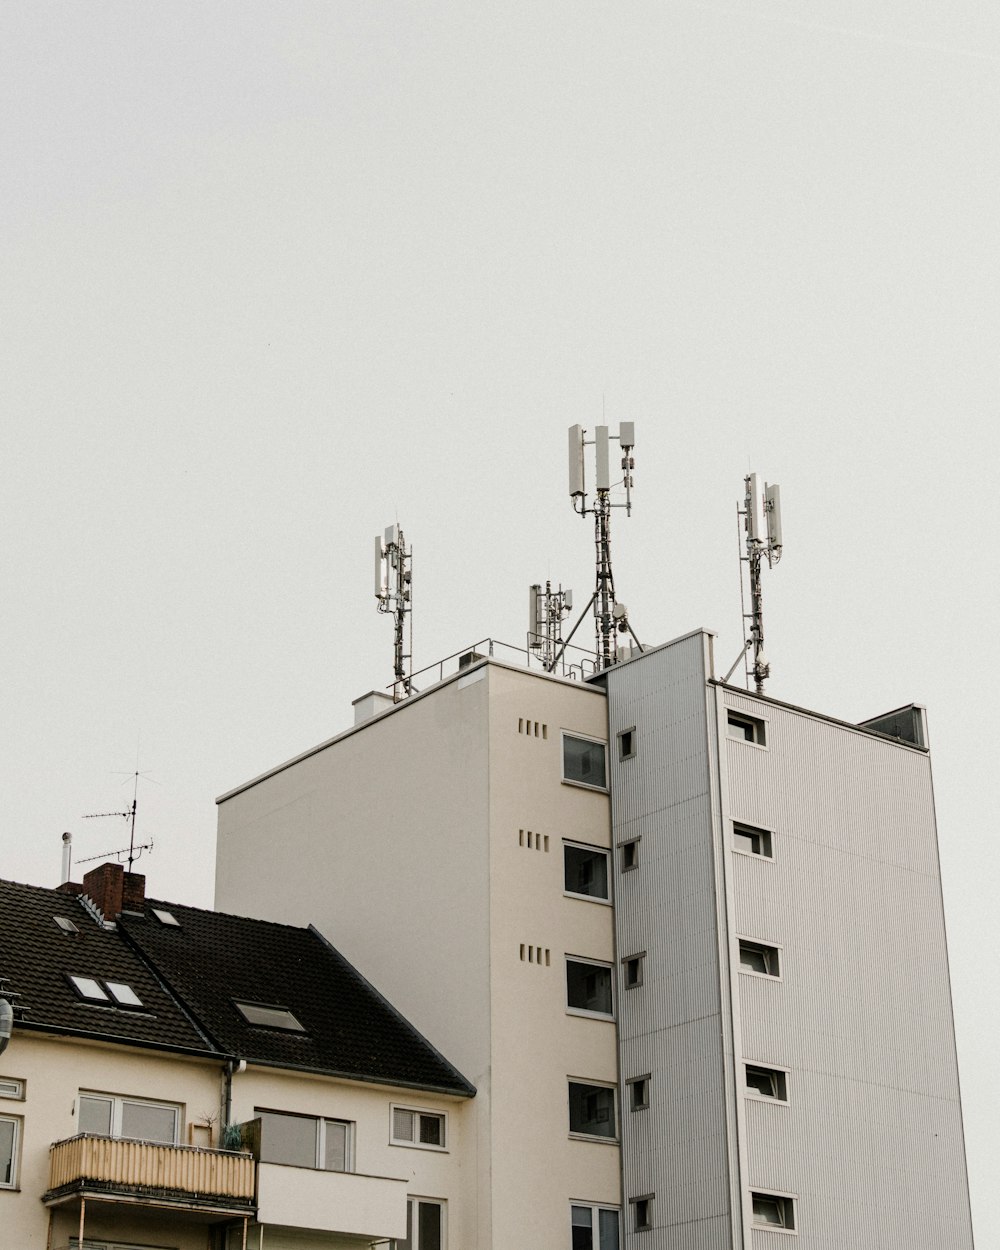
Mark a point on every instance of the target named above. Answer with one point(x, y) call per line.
point(583, 1011)
point(782, 1197)
point(604, 899)
point(778, 1070)
point(118, 1102)
point(414, 1242)
point(12, 1087)
point(319, 1122)
point(595, 1208)
point(431, 1114)
point(735, 715)
point(578, 1134)
point(15, 1152)
point(766, 839)
point(572, 781)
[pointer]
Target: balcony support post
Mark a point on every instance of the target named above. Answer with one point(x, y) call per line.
point(244, 1233)
point(83, 1212)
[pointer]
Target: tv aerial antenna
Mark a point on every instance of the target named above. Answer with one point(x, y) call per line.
point(394, 593)
point(610, 616)
point(761, 515)
point(546, 609)
point(132, 852)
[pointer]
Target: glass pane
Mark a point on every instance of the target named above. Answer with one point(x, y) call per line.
point(753, 958)
point(95, 1115)
point(429, 1226)
point(148, 1122)
point(430, 1130)
point(7, 1152)
point(582, 1228)
point(89, 989)
point(288, 1139)
point(586, 871)
point(588, 988)
point(402, 1124)
point(269, 1017)
point(584, 761)
point(746, 841)
point(767, 1210)
point(407, 1244)
point(335, 1152)
point(591, 1110)
point(608, 1223)
point(124, 994)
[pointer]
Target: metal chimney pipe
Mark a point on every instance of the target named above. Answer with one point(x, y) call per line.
point(67, 855)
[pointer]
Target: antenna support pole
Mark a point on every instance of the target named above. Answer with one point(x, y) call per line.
point(759, 548)
point(393, 591)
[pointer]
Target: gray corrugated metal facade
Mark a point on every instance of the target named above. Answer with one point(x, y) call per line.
point(860, 1144)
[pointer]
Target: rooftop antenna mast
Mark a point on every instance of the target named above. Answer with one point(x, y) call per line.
point(762, 526)
point(546, 609)
point(133, 851)
point(393, 591)
point(610, 616)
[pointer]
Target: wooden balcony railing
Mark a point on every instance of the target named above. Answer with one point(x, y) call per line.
point(186, 1175)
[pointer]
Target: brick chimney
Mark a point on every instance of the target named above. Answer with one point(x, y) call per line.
point(112, 890)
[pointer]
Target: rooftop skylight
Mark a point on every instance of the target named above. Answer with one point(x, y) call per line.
point(65, 924)
point(166, 917)
point(107, 992)
point(269, 1017)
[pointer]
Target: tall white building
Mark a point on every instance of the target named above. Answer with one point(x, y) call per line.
point(686, 942)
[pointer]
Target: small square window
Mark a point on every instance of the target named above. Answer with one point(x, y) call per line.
point(592, 1110)
point(629, 855)
point(642, 1209)
point(760, 958)
point(269, 1017)
point(767, 1082)
point(632, 970)
point(751, 840)
point(745, 728)
point(626, 744)
point(588, 987)
point(773, 1210)
point(89, 989)
point(418, 1128)
point(10, 1088)
point(586, 870)
point(584, 762)
point(638, 1093)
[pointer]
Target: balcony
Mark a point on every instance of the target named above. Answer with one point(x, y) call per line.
point(372, 1208)
point(220, 1183)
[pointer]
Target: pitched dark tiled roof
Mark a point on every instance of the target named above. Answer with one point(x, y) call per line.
point(36, 957)
point(211, 960)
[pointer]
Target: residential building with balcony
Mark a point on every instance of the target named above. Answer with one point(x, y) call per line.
point(181, 1079)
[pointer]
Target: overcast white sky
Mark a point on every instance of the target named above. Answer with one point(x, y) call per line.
point(276, 274)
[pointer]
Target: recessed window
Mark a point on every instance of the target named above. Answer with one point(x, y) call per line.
point(269, 1017)
point(751, 840)
point(592, 1109)
point(594, 1227)
point(10, 1144)
point(767, 1082)
point(584, 762)
point(773, 1210)
point(588, 987)
point(586, 870)
point(418, 1128)
point(66, 924)
point(425, 1225)
point(626, 744)
point(10, 1088)
point(632, 970)
point(760, 958)
point(745, 728)
point(108, 1115)
point(89, 989)
point(638, 1092)
point(305, 1141)
point(165, 917)
point(642, 1212)
point(629, 852)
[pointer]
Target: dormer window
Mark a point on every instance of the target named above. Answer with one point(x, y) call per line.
point(268, 1017)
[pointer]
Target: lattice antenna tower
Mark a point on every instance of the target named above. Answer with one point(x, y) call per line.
point(546, 610)
point(761, 515)
point(394, 593)
point(610, 616)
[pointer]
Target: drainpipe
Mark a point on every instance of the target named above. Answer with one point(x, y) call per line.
point(233, 1067)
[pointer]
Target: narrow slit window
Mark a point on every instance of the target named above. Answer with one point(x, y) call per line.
point(760, 958)
point(767, 1082)
point(638, 1093)
point(773, 1210)
point(626, 744)
point(629, 852)
point(632, 967)
point(745, 728)
point(752, 841)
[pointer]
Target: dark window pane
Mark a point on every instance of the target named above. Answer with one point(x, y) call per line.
point(586, 871)
point(429, 1226)
point(584, 761)
point(591, 1110)
point(430, 1130)
point(583, 1228)
point(6, 1152)
point(588, 987)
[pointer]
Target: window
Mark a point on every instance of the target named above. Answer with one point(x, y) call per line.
point(592, 1109)
point(10, 1088)
point(773, 1210)
point(760, 958)
point(594, 1228)
point(745, 728)
point(767, 1082)
point(425, 1221)
point(10, 1141)
point(165, 917)
point(268, 1017)
point(626, 744)
point(418, 1128)
point(751, 840)
point(642, 1208)
point(107, 1115)
point(632, 970)
point(304, 1141)
point(110, 993)
point(638, 1092)
point(588, 987)
point(629, 855)
point(586, 870)
point(583, 762)
point(66, 924)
